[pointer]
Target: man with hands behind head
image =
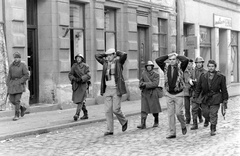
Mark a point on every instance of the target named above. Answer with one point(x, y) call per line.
point(174, 85)
point(113, 86)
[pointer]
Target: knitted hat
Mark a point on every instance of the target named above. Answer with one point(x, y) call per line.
point(16, 55)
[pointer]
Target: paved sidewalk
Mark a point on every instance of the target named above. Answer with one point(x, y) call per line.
point(43, 122)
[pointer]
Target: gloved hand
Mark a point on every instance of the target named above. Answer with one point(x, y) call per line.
point(142, 85)
point(78, 79)
point(225, 103)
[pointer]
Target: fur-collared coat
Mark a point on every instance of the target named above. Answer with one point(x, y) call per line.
point(149, 97)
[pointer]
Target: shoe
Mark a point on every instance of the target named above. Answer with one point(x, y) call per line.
point(184, 130)
point(84, 117)
point(171, 137)
point(124, 127)
point(195, 125)
point(108, 133)
point(75, 117)
point(200, 120)
point(213, 130)
point(206, 123)
point(188, 122)
point(143, 124)
point(155, 124)
point(23, 109)
point(16, 117)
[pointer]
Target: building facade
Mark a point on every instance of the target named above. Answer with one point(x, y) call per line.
point(49, 33)
point(210, 29)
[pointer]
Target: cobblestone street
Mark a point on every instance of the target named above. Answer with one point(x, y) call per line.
point(88, 140)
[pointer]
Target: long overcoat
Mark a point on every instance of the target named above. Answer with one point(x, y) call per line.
point(149, 98)
point(215, 91)
point(79, 70)
point(17, 77)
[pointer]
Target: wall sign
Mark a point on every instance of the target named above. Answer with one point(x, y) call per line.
point(222, 22)
point(190, 42)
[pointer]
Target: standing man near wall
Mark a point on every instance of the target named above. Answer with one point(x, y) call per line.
point(214, 90)
point(113, 86)
point(16, 83)
point(196, 105)
point(174, 85)
point(79, 77)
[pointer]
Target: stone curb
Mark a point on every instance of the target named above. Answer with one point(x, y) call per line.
point(56, 127)
point(67, 125)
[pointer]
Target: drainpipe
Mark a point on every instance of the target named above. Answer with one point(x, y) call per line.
point(178, 28)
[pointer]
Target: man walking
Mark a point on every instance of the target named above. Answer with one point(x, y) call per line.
point(214, 90)
point(16, 83)
point(196, 105)
point(174, 85)
point(113, 86)
point(79, 76)
point(188, 90)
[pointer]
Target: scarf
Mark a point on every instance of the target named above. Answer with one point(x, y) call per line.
point(110, 69)
point(177, 78)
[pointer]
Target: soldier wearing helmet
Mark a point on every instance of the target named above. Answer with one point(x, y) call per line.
point(149, 98)
point(79, 77)
point(196, 105)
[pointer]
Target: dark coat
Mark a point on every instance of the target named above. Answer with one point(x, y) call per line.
point(17, 77)
point(79, 70)
point(149, 97)
point(216, 92)
point(196, 74)
point(119, 80)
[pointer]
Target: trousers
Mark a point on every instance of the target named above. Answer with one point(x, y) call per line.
point(211, 112)
point(112, 104)
point(175, 107)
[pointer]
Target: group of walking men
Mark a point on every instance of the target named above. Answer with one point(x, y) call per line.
point(204, 89)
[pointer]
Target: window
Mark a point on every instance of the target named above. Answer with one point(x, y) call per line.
point(110, 28)
point(77, 31)
point(234, 57)
point(162, 36)
point(205, 44)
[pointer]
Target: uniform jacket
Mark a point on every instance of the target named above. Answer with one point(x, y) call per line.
point(196, 74)
point(79, 70)
point(17, 77)
point(172, 81)
point(214, 93)
point(149, 99)
point(119, 80)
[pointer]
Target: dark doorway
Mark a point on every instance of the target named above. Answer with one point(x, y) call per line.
point(143, 49)
point(32, 50)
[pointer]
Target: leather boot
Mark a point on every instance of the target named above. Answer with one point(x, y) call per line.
point(23, 109)
point(213, 130)
point(206, 123)
point(195, 125)
point(16, 117)
point(76, 116)
point(143, 124)
point(155, 120)
point(85, 113)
